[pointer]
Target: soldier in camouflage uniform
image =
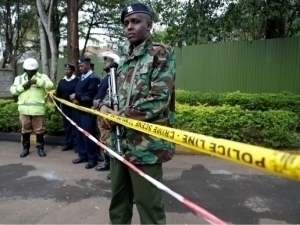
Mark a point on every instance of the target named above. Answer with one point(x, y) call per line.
point(151, 99)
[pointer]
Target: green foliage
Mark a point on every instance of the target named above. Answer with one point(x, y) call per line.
point(207, 21)
point(273, 128)
point(9, 120)
point(259, 102)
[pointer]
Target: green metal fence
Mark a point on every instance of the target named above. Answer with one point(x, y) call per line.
point(253, 67)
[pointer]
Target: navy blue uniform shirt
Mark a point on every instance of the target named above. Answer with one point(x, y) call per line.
point(66, 87)
point(103, 86)
point(86, 89)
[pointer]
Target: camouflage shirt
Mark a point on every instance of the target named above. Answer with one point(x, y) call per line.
point(152, 100)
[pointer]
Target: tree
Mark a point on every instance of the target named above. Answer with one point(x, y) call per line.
point(104, 16)
point(16, 22)
point(45, 10)
point(256, 19)
point(72, 33)
point(72, 30)
point(191, 22)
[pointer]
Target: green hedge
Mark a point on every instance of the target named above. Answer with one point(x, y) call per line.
point(9, 119)
point(273, 128)
point(259, 102)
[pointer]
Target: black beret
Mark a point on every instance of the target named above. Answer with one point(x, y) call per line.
point(135, 8)
point(84, 59)
point(69, 66)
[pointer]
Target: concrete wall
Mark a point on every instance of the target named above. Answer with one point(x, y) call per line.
point(6, 80)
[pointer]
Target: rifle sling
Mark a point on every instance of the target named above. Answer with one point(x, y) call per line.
point(131, 83)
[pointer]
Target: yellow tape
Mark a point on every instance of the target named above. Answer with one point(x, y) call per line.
point(276, 162)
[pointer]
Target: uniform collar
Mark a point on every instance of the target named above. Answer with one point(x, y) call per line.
point(83, 76)
point(71, 78)
point(139, 50)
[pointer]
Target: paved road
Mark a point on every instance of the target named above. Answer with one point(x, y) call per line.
point(53, 190)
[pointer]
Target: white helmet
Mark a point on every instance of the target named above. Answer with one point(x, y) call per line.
point(111, 55)
point(30, 64)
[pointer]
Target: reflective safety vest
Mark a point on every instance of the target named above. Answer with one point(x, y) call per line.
point(31, 101)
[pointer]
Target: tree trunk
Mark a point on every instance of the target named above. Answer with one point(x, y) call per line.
point(44, 49)
point(72, 33)
point(87, 37)
point(275, 27)
point(8, 34)
point(14, 67)
point(46, 20)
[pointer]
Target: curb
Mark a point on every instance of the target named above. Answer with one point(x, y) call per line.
point(59, 141)
point(15, 137)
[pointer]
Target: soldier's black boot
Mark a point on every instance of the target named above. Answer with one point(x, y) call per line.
point(26, 145)
point(106, 165)
point(40, 145)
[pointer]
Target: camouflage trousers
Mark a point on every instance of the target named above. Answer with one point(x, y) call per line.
point(126, 185)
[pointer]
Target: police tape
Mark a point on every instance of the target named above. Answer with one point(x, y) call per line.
point(268, 160)
point(202, 213)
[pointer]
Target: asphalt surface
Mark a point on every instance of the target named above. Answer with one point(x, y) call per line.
point(52, 190)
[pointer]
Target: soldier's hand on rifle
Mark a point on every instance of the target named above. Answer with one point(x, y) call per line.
point(112, 123)
point(104, 123)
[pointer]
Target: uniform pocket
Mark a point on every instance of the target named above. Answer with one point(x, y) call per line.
point(142, 82)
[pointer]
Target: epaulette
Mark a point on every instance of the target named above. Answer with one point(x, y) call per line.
point(162, 45)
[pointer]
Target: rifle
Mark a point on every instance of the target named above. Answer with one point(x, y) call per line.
point(113, 95)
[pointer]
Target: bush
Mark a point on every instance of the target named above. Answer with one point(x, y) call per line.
point(9, 120)
point(259, 102)
point(274, 128)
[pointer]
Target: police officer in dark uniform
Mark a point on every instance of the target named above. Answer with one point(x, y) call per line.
point(85, 91)
point(111, 60)
point(65, 88)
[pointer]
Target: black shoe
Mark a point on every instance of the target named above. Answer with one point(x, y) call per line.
point(133, 201)
point(104, 167)
point(108, 176)
point(78, 160)
point(41, 152)
point(40, 145)
point(76, 150)
point(66, 149)
point(26, 145)
point(100, 158)
point(24, 153)
point(91, 165)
